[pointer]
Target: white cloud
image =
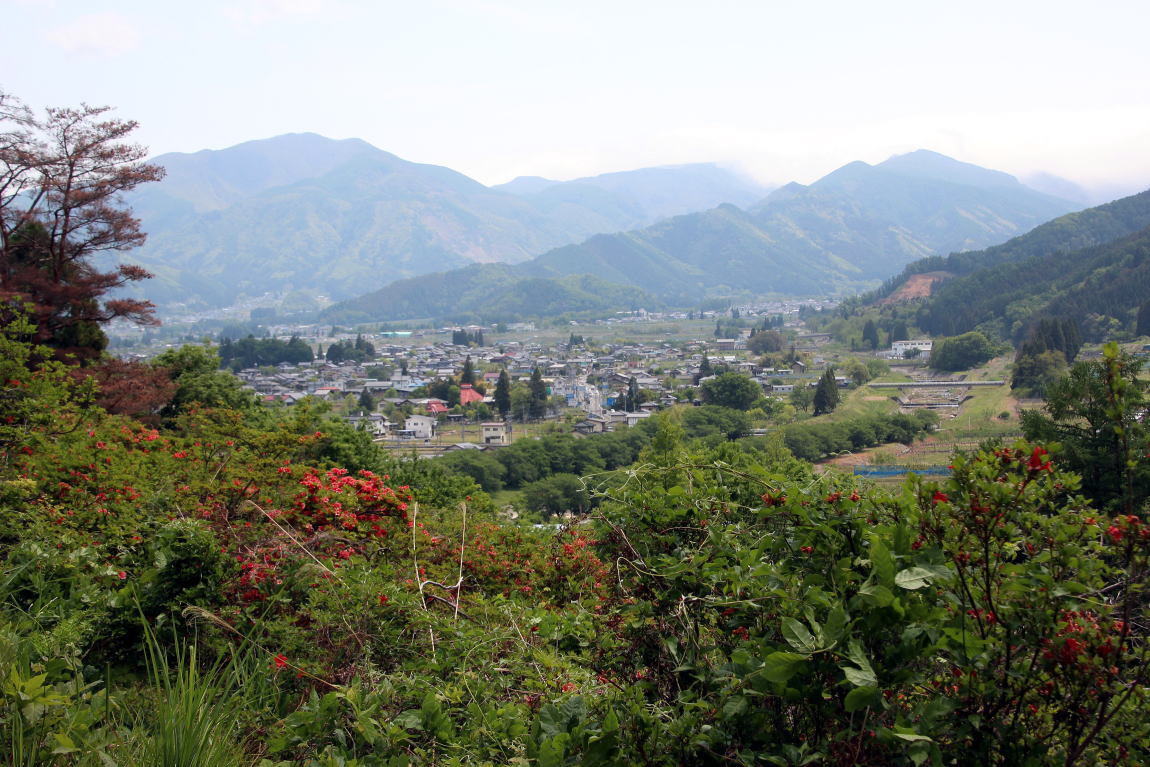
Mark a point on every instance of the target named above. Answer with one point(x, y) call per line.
point(99, 34)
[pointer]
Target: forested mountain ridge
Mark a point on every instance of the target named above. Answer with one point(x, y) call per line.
point(1099, 289)
point(1073, 231)
point(1085, 266)
point(338, 216)
point(845, 231)
point(493, 292)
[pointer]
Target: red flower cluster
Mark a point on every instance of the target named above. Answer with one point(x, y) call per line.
point(339, 501)
point(1036, 463)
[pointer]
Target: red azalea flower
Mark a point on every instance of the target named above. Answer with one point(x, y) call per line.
point(939, 497)
point(1036, 463)
point(280, 661)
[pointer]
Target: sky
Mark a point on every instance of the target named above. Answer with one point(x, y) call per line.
point(782, 90)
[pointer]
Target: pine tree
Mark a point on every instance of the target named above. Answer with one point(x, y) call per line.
point(1142, 328)
point(538, 390)
point(503, 394)
point(826, 393)
point(468, 374)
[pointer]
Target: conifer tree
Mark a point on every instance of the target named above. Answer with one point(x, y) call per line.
point(538, 390)
point(503, 394)
point(826, 393)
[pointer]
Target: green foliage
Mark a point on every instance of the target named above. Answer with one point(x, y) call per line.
point(248, 600)
point(962, 352)
point(199, 381)
point(814, 440)
point(1098, 265)
point(560, 493)
point(826, 397)
point(253, 352)
point(731, 390)
point(1096, 412)
point(502, 394)
point(359, 350)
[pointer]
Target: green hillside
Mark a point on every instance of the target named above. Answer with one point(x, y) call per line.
point(493, 292)
point(1100, 289)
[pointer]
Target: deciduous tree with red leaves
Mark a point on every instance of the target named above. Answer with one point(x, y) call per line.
point(62, 175)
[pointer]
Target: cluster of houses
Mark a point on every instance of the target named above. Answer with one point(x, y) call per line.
point(595, 381)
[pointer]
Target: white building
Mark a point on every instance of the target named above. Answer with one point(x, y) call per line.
point(494, 433)
point(420, 426)
point(898, 349)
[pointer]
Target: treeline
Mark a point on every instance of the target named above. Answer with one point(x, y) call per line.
point(461, 337)
point(814, 440)
point(531, 460)
point(253, 352)
point(1043, 358)
point(359, 350)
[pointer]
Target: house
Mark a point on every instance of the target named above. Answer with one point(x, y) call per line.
point(373, 423)
point(420, 426)
point(593, 424)
point(494, 433)
point(468, 395)
point(435, 406)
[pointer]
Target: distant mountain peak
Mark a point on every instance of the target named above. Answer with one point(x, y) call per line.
point(925, 163)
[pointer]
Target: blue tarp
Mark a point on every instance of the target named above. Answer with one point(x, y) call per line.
point(890, 470)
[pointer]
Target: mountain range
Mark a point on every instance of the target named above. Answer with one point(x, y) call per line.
point(848, 230)
point(341, 217)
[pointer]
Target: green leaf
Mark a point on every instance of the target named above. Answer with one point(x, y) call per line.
point(864, 675)
point(798, 636)
point(879, 596)
point(913, 578)
point(907, 733)
point(781, 666)
point(409, 720)
point(862, 697)
point(880, 560)
point(836, 624)
point(859, 677)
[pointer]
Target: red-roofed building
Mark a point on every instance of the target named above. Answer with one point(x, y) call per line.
point(467, 395)
point(435, 406)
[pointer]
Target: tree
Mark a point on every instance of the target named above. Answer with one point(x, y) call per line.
point(468, 374)
point(198, 378)
point(961, 352)
point(503, 394)
point(1095, 413)
point(61, 178)
point(733, 390)
point(802, 397)
point(538, 389)
point(765, 341)
point(826, 393)
point(366, 403)
point(870, 334)
point(1142, 327)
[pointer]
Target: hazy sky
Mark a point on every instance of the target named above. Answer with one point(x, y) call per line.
point(785, 90)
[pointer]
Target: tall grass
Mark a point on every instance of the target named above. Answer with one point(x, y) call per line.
point(196, 718)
